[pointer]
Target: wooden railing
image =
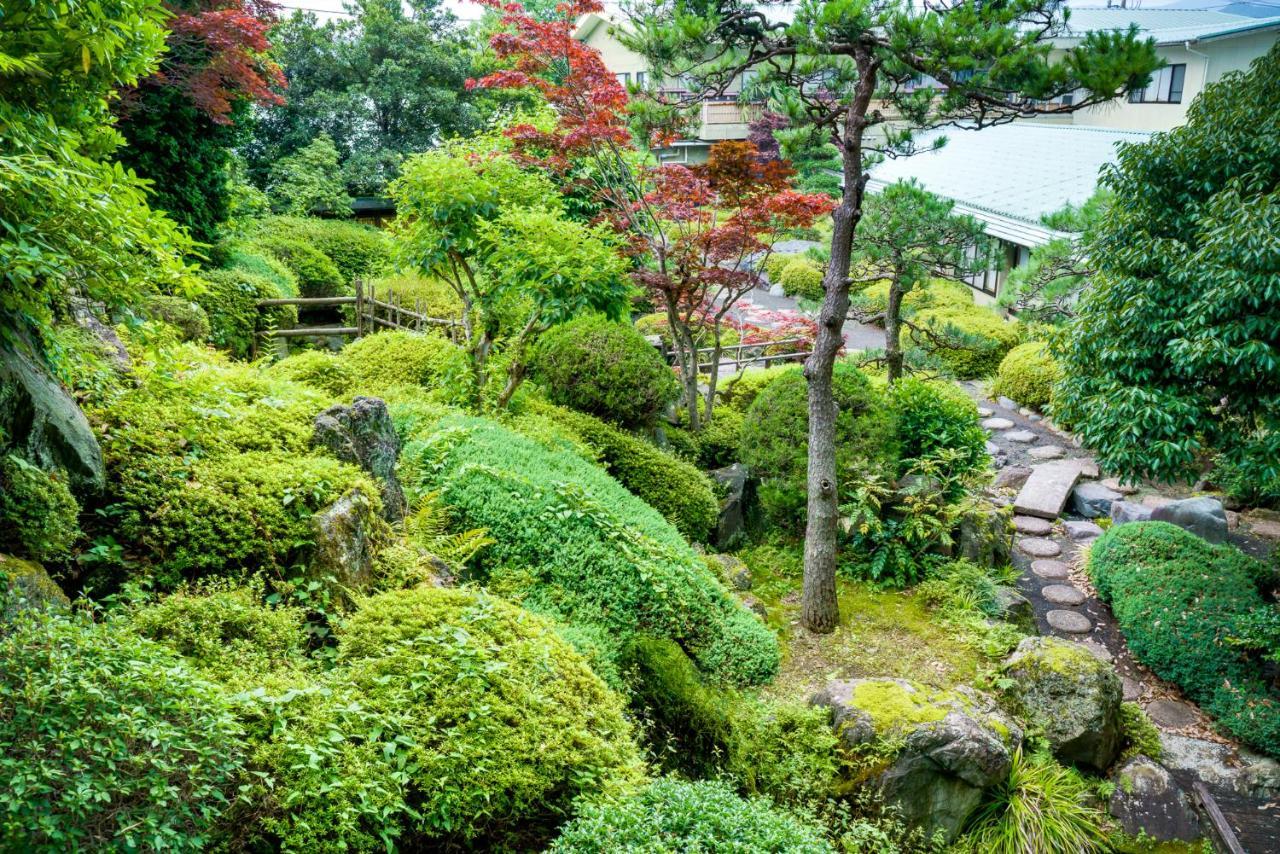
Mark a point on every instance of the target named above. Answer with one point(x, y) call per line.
point(744, 355)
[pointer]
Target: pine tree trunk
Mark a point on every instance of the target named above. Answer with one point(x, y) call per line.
point(820, 610)
point(893, 330)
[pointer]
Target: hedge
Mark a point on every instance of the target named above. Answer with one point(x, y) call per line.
point(982, 337)
point(230, 302)
point(1179, 600)
point(357, 251)
point(317, 275)
point(1027, 374)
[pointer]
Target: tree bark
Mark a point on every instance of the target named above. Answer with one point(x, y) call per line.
point(820, 609)
point(893, 329)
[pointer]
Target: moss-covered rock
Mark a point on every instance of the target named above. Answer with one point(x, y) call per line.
point(25, 586)
point(1070, 694)
point(38, 514)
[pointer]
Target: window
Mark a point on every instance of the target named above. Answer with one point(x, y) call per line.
point(641, 78)
point(1165, 87)
point(624, 77)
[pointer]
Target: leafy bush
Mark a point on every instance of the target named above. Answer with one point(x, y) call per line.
point(1040, 807)
point(676, 489)
point(980, 338)
point(777, 262)
point(802, 278)
point(249, 259)
point(933, 417)
point(775, 436)
point(38, 515)
point(573, 543)
point(938, 293)
point(1179, 600)
point(605, 369)
point(356, 250)
point(1242, 482)
point(180, 313)
point(502, 724)
point(719, 443)
point(1027, 374)
point(432, 296)
point(672, 815)
point(378, 362)
point(740, 392)
point(229, 300)
point(110, 742)
point(318, 369)
point(317, 275)
point(703, 335)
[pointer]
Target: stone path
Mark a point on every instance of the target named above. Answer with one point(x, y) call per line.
point(1048, 551)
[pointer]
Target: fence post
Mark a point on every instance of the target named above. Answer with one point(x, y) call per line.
point(359, 308)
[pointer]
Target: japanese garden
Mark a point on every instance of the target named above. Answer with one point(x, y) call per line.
point(657, 426)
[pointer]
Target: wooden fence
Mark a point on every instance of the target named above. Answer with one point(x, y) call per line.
point(744, 355)
point(370, 314)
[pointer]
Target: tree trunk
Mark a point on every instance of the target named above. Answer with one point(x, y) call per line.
point(893, 330)
point(820, 610)
point(687, 356)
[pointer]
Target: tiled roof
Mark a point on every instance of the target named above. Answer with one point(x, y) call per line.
point(1163, 24)
point(1019, 171)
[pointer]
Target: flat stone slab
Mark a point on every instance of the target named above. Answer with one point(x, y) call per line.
point(1039, 547)
point(1046, 491)
point(1069, 622)
point(997, 423)
point(1047, 452)
point(1082, 530)
point(1032, 525)
point(1062, 594)
point(1171, 714)
point(1053, 570)
point(1024, 437)
point(1132, 688)
point(984, 412)
point(1114, 483)
point(1088, 466)
point(1265, 528)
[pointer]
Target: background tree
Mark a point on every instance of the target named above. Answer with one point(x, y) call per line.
point(839, 68)
point(1176, 350)
point(1048, 286)
point(383, 83)
point(907, 237)
point(309, 181)
point(183, 121)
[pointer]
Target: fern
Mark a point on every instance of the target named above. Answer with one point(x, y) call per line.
point(428, 528)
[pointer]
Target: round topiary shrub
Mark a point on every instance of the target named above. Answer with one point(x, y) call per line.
point(934, 417)
point(503, 724)
point(248, 259)
point(38, 515)
point(318, 369)
point(356, 250)
point(603, 368)
point(777, 262)
point(317, 275)
point(982, 338)
point(182, 314)
point(740, 392)
point(378, 362)
point(775, 436)
point(111, 743)
point(1027, 374)
point(674, 815)
point(802, 278)
point(230, 302)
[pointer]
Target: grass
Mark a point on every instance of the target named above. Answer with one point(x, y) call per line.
point(881, 633)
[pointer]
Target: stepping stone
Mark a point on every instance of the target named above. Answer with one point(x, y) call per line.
point(993, 449)
point(1006, 403)
point(1062, 594)
point(1024, 437)
point(1171, 714)
point(1039, 547)
point(1033, 418)
point(1082, 530)
point(1069, 622)
point(1012, 477)
point(1047, 452)
point(1046, 491)
point(1113, 483)
point(1098, 651)
point(997, 423)
point(1131, 688)
point(984, 412)
point(1266, 528)
point(1032, 525)
point(1088, 467)
point(1093, 500)
point(1054, 570)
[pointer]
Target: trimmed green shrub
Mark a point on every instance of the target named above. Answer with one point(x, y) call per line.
point(1179, 600)
point(38, 515)
point(934, 417)
point(502, 723)
point(603, 368)
point(683, 495)
point(110, 742)
point(317, 275)
point(777, 262)
point(1027, 374)
point(259, 262)
point(802, 278)
point(671, 815)
point(740, 392)
point(982, 338)
point(775, 436)
point(434, 297)
point(182, 314)
point(229, 300)
point(378, 362)
point(318, 369)
point(356, 250)
point(938, 293)
point(720, 441)
point(571, 542)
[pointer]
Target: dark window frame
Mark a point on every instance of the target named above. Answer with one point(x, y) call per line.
point(1163, 89)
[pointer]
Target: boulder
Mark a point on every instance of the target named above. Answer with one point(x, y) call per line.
point(734, 572)
point(1204, 517)
point(1012, 477)
point(88, 320)
point(362, 434)
point(1221, 766)
point(1093, 500)
point(986, 536)
point(930, 753)
point(44, 421)
point(1148, 801)
point(348, 536)
point(1070, 694)
point(1081, 530)
point(737, 490)
point(1013, 607)
point(1123, 512)
point(25, 586)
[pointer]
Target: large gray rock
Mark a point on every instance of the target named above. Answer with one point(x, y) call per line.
point(986, 536)
point(1045, 493)
point(736, 488)
point(43, 421)
point(362, 434)
point(1072, 696)
point(945, 747)
point(1093, 500)
point(1204, 517)
point(1222, 766)
point(88, 320)
point(1147, 800)
point(1123, 512)
point(1012, 477)
point(348, 535)
point(732, 570)
point(1013, 607)
point(25, 586)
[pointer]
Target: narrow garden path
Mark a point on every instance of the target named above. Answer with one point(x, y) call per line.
point(1050, 554)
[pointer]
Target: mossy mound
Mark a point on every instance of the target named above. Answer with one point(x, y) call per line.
point(25, 586)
